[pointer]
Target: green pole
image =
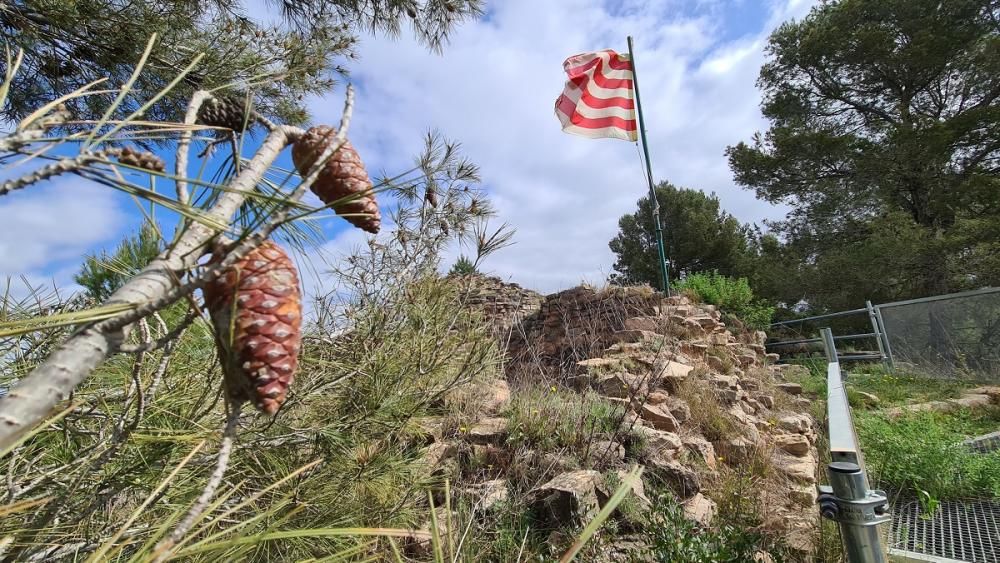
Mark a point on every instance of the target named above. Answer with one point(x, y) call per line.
point(664, 276)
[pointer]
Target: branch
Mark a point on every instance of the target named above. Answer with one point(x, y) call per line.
point(183, 145)
point(155, 287)
point(163, 548)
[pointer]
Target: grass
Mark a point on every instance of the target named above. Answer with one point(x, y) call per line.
point(923, 452)
point(552, 418)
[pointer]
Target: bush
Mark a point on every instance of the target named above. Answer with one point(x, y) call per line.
point(675, 538)
point(729, 294)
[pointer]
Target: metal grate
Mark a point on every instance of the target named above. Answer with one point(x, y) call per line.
point(963, 530)
point(984, 444)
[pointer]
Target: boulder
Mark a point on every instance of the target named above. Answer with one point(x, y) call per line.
point(803, 495)
point(734, 451)
point(700, 509)
point(488, 431)
point(657, 397)
point(694, 349)
point(651, 324)
point(766, 400)
point(790, 388)
point(671, 373)
point(678, 408)
point(682, 480)
point(725, 381)
point(796, 423)
point(702, 449)
point(660, 443)
point(572, 498)
point(867, 399)
point(606, 453)
point(796, 444)
point(621, 385)
point(489, 494)
point(599, 365)
point(799, 469)
point(659, 418)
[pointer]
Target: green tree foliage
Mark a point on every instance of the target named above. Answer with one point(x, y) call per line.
point(69, 44)
point(101, 275)
point(885, 116)
point(463, 266)
point(732, 295)
point(698, 235)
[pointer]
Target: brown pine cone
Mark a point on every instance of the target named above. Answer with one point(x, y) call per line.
point(260, 346)
point(343, 175)
point(431, 196)
point(145, 160)
point(225, 111)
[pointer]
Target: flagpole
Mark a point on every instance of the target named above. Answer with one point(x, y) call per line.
point(664, 276)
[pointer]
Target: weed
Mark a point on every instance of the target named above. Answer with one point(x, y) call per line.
point(730, 294)
point(550, 418)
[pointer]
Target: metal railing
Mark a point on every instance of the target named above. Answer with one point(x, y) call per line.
point(883, 351)
point(849, 500)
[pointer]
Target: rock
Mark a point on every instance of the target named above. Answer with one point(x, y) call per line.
point(725, 382)
point(749, 384)
point(682, 481)
point(635, 336)
point(796, 444)
point(428, 429)
point(700, 509)
point(492, 457)
point(747, 360)
point(657, 398)
point(671, 373)
point(419, 542)
point(759, 337)
point(571, 498)
point(799, 469)
point(497, 396)
point(621, 385)
point(638, 489)
point(772, 358)
point(489, 494)
point(694, 349)
point(606, 453)
point(867, 399)
point(796, 423)
point(599, 365)
point(972, 401)
point(801, 403)
point(659, 418)
point(803, 495)
point(488, 431)
point(766, 400)
point(790, 388)
point(703, 449)
point(734, 451)
point(660, 443)
point(650, 324)
point(439, 452)
point(678, 408)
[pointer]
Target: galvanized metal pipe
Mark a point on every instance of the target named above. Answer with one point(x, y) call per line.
point(858, 512)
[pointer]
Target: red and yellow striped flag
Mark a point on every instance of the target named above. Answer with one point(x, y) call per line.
point(599, 98)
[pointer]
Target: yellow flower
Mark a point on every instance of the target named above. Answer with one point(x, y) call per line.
point(463, 429)
point(553, 388)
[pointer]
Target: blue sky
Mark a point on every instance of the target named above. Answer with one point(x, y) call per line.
point(493, 91)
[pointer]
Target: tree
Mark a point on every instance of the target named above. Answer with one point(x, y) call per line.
point(885, 140)
point(698, 236)
point(100, 276)
point(70, 44)
point(463, 267)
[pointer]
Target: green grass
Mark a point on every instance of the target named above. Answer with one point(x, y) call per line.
point(923, 452)
point(552, 418)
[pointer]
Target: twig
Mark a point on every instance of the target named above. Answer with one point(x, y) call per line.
point(62, 166)
point(184, 144)
point(174, 334)
point(162, 550)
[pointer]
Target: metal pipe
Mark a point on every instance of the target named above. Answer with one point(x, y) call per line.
point(859, 511)
point(970, 293)
point(875, 327)
point(812, 340)
point(885, 337)
point(817, 317)
point(829, 345)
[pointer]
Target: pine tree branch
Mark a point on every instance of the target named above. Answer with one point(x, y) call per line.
point(157, 286)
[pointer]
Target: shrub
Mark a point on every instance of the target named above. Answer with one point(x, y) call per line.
point(729, 294)
point(463, 266)
point(675, 538)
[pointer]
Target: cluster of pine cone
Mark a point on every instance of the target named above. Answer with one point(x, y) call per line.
point(145, 160)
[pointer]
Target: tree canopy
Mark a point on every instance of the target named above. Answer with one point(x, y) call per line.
point(698, 235)
point(885, 140)
point(70, 44)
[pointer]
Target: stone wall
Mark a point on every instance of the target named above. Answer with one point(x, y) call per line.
point(505, 305)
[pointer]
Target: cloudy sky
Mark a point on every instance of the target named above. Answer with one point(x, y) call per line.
point(493, 90)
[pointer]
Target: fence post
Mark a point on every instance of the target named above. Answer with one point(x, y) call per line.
point(885, 337)
point(878, 332)
point(829, 345)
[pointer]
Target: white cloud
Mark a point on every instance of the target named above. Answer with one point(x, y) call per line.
point(46, 229)
point(494, 88)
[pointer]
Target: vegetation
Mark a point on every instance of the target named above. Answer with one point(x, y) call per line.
point(698, 235)
point(923, 452)
point(732, 295)
point(463, 266)
point(884, 116)
point(297, 54)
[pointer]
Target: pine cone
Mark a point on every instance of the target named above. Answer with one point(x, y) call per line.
point(145, 160)
point(343, 175)
point(227, 111)
point(260, 346)
point(431, 196)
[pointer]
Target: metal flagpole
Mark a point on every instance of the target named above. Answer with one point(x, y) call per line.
point(664, 276)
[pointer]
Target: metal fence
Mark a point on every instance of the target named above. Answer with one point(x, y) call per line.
point(954, 335)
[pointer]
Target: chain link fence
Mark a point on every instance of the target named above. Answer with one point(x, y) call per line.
point(956, 335)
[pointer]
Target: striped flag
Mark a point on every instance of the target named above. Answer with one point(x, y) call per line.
point(599, 99)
